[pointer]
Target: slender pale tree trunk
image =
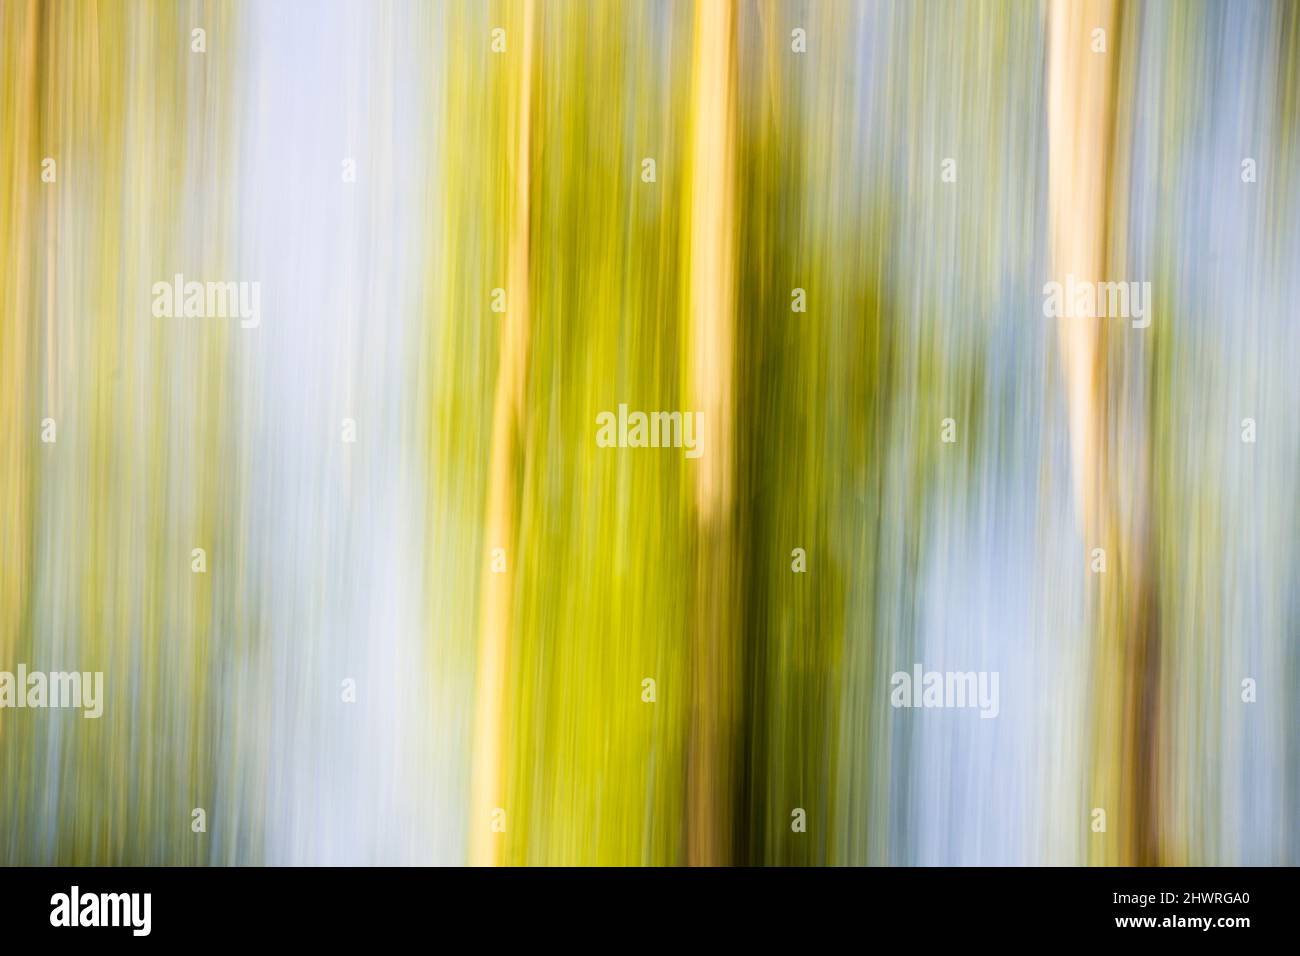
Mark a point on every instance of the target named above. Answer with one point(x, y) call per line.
point(712, 266)
point(1084, 170)
point(497, 589)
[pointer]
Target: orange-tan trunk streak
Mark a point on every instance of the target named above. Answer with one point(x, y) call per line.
point(712, 314)
point(1081, 118)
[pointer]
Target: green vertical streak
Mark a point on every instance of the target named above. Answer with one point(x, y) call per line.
point(604, 549)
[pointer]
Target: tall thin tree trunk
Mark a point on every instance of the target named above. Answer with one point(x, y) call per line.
point(497, 590)
point(711, 767)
